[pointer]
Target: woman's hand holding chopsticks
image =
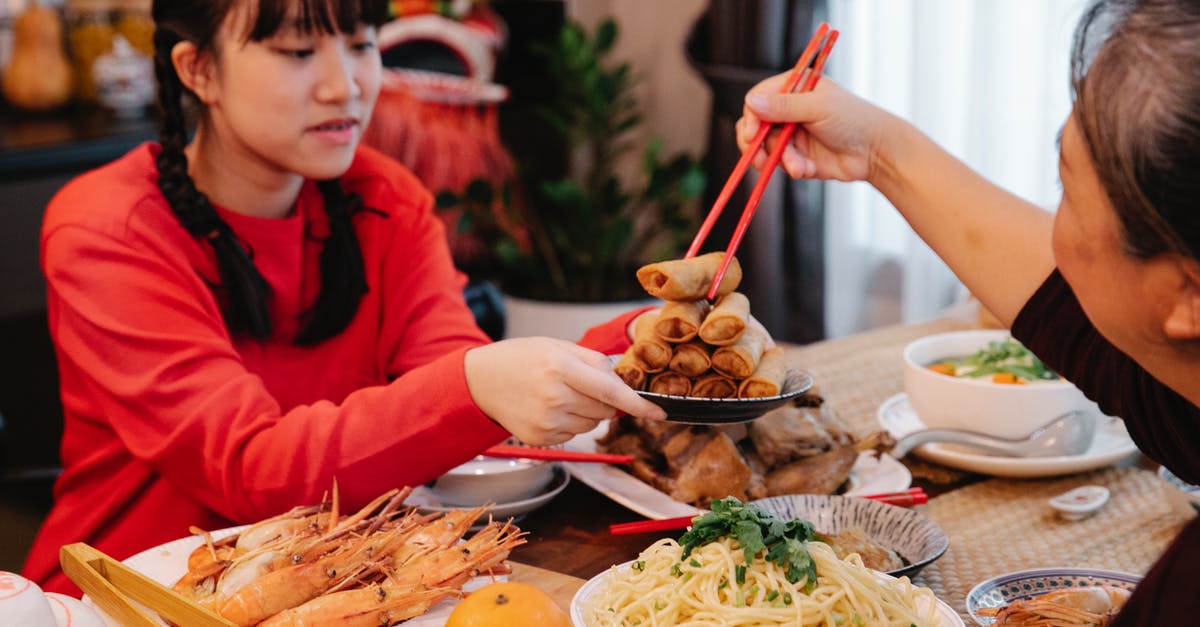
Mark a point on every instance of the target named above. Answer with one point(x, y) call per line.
point(544, 390)
point(836, 131)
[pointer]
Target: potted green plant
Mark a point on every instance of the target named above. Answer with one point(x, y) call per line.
point(578, 233)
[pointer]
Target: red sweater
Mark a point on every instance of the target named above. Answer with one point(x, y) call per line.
point(170, 422)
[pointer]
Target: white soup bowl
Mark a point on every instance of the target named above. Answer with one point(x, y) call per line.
point(1003, 410)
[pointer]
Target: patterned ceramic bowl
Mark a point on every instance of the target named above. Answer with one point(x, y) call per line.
point(916, 539)
point(1004, 589)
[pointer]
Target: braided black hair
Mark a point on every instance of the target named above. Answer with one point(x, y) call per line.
point(243, 292)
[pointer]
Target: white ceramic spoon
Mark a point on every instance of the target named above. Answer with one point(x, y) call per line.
point(1068, 434)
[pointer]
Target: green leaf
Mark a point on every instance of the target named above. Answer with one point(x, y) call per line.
point(466, 222)
point(606, 35)
point(445, 200)
point(757, 532)
point(692, 183)
point(571, 39)
point(479, 190)
point(508, 251)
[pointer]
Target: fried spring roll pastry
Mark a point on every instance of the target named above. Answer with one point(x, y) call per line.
point(740, 359)
point(680, 320)
point(768, 379)
point(727, 320)
point(691, 359)
point(714, 385)
point(688, 279)
point(671, 383)
point(627, 368)
point(651, 352)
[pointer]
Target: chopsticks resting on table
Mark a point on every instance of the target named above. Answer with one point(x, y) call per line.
point(800, 71)
point(911, 496)
point(556, 455)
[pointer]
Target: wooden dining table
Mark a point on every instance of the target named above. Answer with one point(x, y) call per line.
point(569, 540)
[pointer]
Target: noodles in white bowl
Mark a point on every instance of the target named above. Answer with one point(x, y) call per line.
point(660, 588)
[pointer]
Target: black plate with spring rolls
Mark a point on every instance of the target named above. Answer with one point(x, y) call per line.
point(710, 411)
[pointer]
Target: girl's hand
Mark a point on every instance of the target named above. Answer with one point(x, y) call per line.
point(838, 135)
point(544, 391)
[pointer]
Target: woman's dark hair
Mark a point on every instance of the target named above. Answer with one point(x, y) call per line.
point(1136, 74)
point(243, 292)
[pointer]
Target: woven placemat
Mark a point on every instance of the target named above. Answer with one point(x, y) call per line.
point(1003, 525)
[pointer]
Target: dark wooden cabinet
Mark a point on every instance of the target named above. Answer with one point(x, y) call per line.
point(38, 154)
point(734, 45)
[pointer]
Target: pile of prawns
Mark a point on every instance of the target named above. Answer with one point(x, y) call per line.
point(378, 566)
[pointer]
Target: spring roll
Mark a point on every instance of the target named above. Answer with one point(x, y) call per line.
point(688, 279)
point(671, 383)
point(714, 385)
point(691, 359)
point(727, 320)
point(768, 378)
point(680, 320)
point(627, 368)
point(652, 353)
point(740, 359)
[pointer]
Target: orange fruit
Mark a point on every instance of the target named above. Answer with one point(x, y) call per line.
point(508, 604)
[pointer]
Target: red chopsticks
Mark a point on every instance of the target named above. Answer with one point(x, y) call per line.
point(908, 498)
point(553, 454)
point(646, 526)
point(799, 71)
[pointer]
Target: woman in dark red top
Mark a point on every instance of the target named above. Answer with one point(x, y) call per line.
point(245, 315)
point(1106, 290)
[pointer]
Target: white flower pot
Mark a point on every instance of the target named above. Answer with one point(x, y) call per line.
point(568, 321)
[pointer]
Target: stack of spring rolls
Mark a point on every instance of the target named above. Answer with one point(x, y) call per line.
point(692, 348)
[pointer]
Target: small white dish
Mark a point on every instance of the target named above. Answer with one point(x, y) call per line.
point(1080, 502)
point(870, 475)
point(23, 603)
point(72, 612)
point(1110, 445)
point(1185, 497)
point(426, 501)
point(493, 479)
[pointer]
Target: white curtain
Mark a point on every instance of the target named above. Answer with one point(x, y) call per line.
point(986, 79)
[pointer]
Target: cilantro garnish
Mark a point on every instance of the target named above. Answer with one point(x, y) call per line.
point(756, 531)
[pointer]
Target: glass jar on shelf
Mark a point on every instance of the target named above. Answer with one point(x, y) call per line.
point(134, 21)
point(90, 32)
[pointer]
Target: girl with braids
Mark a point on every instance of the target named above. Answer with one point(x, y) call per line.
point(1107, 290)
point(243, 317)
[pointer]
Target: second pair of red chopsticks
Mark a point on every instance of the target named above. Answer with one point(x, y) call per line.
point(800, 71)
point(908, 498)
point(554, 454)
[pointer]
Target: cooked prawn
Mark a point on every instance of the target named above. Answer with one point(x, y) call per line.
point(384, 607)
point(1075, 607)
point(409, 589)
point(287, 587)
